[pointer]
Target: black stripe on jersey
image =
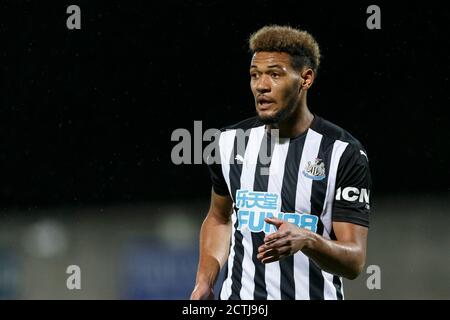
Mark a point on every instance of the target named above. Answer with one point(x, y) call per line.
point(288, 195)
point(336, 280)
point(235, 184)
point(225, 275)
point(261, 184)
point(338, 285)
point(318, 193)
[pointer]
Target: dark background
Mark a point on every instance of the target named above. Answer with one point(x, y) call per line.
point(86, 116)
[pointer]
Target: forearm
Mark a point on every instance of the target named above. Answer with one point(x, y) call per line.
point(344, 259)
point(214, 245)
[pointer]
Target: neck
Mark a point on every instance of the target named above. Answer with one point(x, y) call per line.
point(296, 124)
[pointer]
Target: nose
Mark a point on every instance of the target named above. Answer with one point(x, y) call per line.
point(262, 85)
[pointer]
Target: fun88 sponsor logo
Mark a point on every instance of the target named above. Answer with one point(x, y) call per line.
point(255, 206)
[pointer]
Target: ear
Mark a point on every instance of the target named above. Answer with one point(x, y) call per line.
point(308, 78)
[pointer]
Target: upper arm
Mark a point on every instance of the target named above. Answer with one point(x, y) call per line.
point(355, 239)
point(221, 202)
point(353, 187)
point(351, 208)
point(220, 207)
point(351, 233)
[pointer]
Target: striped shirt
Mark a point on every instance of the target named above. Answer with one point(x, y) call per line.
point(311, 180)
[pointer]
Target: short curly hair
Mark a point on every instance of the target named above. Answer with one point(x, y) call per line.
point(301, 45)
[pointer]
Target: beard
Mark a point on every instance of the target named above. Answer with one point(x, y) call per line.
point(279, 116)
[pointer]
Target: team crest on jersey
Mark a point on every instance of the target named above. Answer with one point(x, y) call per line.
point(315, 169)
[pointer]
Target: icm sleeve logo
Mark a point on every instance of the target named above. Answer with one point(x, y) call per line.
point(353, 194)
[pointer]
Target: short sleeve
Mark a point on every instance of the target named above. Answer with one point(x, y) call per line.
point(215, 169)
point(353, 187)
point(218, 182)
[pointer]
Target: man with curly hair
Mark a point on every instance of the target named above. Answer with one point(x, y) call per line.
point(289, 211)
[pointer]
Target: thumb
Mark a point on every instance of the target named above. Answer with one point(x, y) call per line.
point(276, 222)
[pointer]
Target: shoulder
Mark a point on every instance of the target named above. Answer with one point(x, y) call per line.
point(335, 132)
point(246, 124)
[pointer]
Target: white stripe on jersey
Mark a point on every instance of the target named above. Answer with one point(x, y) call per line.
point(226, 286)
point(247, 181)
point(328, 286)
point(304, 184)
point(338, 149)
point(303, 205)
point(226, 141)
point(272, 274)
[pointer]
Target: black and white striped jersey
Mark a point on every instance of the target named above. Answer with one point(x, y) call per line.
point(311, 180)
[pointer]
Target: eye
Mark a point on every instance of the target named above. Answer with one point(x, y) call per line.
point(254, 75)
point(275, 75)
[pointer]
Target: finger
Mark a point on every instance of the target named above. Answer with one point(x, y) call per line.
point(272, 239)
point(274, 236)
point(285, 252)
point(274, 244)
point(278, 253)
point(270, 259)
point(276, 222)
point(273, 257)
point(202, 294)
point(266, 254)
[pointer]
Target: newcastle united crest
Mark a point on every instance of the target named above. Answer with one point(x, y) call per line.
point(315, 169)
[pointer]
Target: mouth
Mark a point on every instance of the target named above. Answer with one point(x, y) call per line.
point(264, 102)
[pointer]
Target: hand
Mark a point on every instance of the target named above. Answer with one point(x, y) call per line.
point(286, 241)
point(202, 291)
